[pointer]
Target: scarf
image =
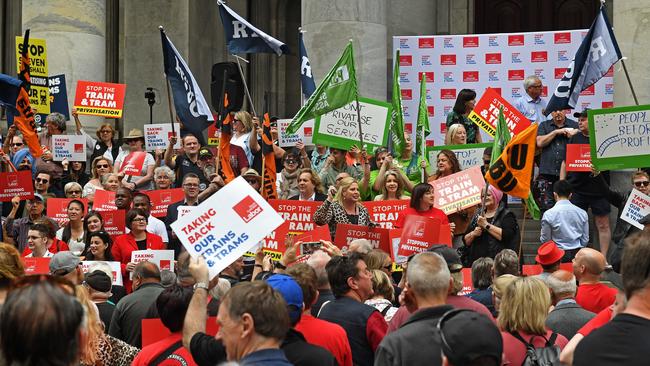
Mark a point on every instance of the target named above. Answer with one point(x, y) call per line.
point(289, 184)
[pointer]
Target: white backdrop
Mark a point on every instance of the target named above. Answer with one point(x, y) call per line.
point(500, 61)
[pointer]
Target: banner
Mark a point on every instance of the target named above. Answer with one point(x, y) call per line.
point(298, 219)
point(396, 137)
point(164, 259)
point(339, 128)
point(226, 225)
point(305, 133)
point(116, 269)
point(378, 237)
point(9, 91)
point(132, 163)
point(71, 147)
point(578, 158)
point(162, 198)
point(156, 136)
point(478, 61)
point(57, 209)
point(468, 155)
point(307, 83)
point(385, 213)
point(104, 200)
point(620, 137)
point(636, 208)
point(96, 98)
point(422, 128)
point(458, 191)
point(58, 97)
point(16, 184)
point(36, 266)
point(419, 234)
point(486, 114)
point(39, 90)
point(114, 222)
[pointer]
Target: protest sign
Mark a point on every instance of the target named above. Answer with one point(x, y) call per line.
point(16, 184)
point(156, 136)
point(71, 147)
point(378, 237)
point(104, 201)
point(468, 286)
point(305, 133)
point(299, 214)
point(636, 208)
point(58, 98)
point(132, 163)
point(164, 259)
point(458, 191)
point(319, 233)
point(38, 265)
point(162, 198)
point(418, 234)
point(578, 158)
point(620, 137)
point(394, 236)
point(116, 270)
point(57, 209)
point(39, 91)
point(100, 99)
point(467, 155)
point(213, 135)
point(339, 128)
point(385, 213)
point(114, 222)
point(486, 114)
point(226, 225)
point(274, 243)
point(185, 210)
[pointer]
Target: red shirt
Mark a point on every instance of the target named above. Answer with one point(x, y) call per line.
point(124, 245)
point(514, 350)
point(376, 329)
point(596, 322)
point(432, 213)
point(328, 335)
point(595, 297)
point(151, 352)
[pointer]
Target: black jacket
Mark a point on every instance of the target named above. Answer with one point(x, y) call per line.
point(320, 197)
point(300, 353)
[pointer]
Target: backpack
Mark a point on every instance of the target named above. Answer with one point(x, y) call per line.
point(549, 355)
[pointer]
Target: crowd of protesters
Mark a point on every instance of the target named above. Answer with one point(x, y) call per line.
point(339, 306)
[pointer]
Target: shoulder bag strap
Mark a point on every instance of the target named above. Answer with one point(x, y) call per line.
point(168, 351)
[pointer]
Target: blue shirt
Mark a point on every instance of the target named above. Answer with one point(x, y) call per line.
point(531, 109)
point(566, 224)
point(265, 357)
point(317, 160)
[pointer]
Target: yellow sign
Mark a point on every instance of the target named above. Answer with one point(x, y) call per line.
point(39, 93)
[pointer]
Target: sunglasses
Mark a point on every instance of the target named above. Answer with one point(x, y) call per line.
point(41, 180)
point(644, 183)
point(105, 131)
point(102, 166)
point(291, 161)
point(17, 144)
point(74, 192)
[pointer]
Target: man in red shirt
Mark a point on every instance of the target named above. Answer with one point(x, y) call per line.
point(592, 295)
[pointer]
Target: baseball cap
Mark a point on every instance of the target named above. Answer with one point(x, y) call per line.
point(204, 151)
point(63, 263)
point(38, 197)
point(581, 114)
point(450, 255)
point(290, 291)
point(467, 335)
point(98, 280)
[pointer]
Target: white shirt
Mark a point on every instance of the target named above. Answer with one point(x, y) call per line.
point(156, 226)
point(76, 246)
point(148, 161)
point(242, 141)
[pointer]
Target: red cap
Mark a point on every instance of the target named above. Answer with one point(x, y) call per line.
point(549, 253)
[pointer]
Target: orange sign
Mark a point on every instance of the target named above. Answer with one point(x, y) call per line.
point(100, 99)
point(486, 114)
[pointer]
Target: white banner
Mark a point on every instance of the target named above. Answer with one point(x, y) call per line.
point(304, 133)
point(636, 208)
point(71, 147)
point(156, 136)
point(500, 61)
point(226, 225)
point(164, 259)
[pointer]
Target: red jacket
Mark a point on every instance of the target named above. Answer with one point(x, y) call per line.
point(124, 245)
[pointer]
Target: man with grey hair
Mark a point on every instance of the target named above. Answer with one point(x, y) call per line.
point(318, 260)
point(531, 104)
point(567, 317)
point(415, 343)
point(361, 246)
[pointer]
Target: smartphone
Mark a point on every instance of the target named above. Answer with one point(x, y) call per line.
point(332, 191)
point(308, 248)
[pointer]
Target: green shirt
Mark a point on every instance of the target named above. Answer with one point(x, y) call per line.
point(413, 172)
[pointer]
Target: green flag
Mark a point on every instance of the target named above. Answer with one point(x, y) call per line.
point(396, 126)
point(501, 139)
point(422, 130)
point(338, 88)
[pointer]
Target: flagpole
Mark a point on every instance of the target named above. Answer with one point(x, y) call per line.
point(169, 101)
point(243, 78)
point(422, 152)
point(266, 110)
point(636, 101)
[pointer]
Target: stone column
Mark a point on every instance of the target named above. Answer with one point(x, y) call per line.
point(331, 24)
point(75, 32)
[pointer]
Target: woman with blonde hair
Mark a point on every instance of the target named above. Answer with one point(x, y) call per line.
point(383, 294)
point(242, 126)
point(456, 135)
point(393, 187)
point(11, 268)
point(499, 286)
point(100, 348)
point(522, 317)
point(111, 182)
point(99, 167)
point(344, 208)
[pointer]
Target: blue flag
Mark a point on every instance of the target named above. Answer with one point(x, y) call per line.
point(243, 37)
point(306, 77)
point(597, 53)
point(190, 105)
point(9, 90)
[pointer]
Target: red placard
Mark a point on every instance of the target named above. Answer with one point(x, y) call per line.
point(318, 234)
point(486, 113)
point(298, 213)
point(35, 266)
point(104, 201)
point(114, 222)
point(418, 234)
point(578, 158)
point(16, 184)
point(132, 163)
point(100, 99)
point(162, 198)
point(153, 330)
point(57, 208)
point(459, 190)
point(385, 213)
point(535, 269)
point(379, 237)
point(468, 286)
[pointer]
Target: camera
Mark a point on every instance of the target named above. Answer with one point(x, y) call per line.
point(150, 95)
